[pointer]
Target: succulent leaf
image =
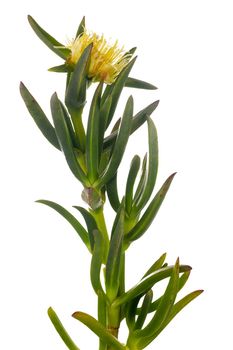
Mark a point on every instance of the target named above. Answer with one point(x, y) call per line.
point(147, 283)
point(39, 117)
point(139, 84)
point(92, 139)
point(99, 330)
point(134, 168)
point(120, 145)
point(65, 140)
point(140, 228)
point(70, 218)
point(61, 330)
point(96, 262)
point(48, 40)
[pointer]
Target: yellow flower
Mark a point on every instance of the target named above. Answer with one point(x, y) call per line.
point(106, 61)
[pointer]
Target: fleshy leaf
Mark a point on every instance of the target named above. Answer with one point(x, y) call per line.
point(96, 262)
point(142, 180)
point(147, 283)
point(182, 280)
point(144, 310)
point(117, 87)
point(138, 120)
point(39, 117)
point(156, 266)
point(164, 308)
point(63, 68)
point(112, 192)
point(48, 40)
point(90, 222)
point(152, 165)
point(120, 144)
point(139, 84)
point(81, 27)
point(175, 310)
point(102, 316)
point(92, 139)
point(76, 89)
point(99, 330)
point(134, 168)
point(71, 219)
point(113, 265)
point(65, 140)
point(61, 330)
point(140, 228)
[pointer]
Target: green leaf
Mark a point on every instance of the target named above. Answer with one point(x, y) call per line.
point(144, 309)
point(134, 168)
point(182, 280)
point(102, 316)
point(142, 181)
point(143, 115)
point(112, 193)
point(90, 222)
point(156, 266)
point(64, 138)
point(99, 330)
point(120, 144)
point(147, 283)
point(104, 112)
point(152, 166)
point(61, 330)
point(76, 90)
point(117, 88)
point(140, 228)
point(63, 68)
point(130, 313)
point(139, 84)
point(114, 260)
point(48, 40)
point(163, 310)
point(39, 117)
point(70, 127)
point(180, 305)
point(92, 140)
point(138, 120)
point(71, 219)
point(81, 27)
point(96, 262)
point(175, 310)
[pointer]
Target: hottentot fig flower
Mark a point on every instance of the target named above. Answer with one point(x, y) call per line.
point(106, 60)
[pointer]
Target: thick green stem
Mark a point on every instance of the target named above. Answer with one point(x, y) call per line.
point(102, 316)
point(100, 220)
point(115, 314)
point(76, 116)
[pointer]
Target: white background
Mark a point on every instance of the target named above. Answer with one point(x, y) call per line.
point(184, 48)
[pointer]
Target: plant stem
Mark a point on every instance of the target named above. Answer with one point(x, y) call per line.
point(76, 116)
point(115, 313)
point(100, 220)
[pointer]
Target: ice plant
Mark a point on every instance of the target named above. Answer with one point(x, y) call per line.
point(94, 156)
point(106, 61)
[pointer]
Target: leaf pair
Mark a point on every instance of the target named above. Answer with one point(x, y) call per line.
point(99, 330)
point(145, 221)
point(164, 307)
point(65, 139)
point(115, 256)
point(87, 236)
point(119, 146)
point(147, 283)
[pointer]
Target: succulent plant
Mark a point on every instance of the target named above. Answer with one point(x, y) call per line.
point(94, 156)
